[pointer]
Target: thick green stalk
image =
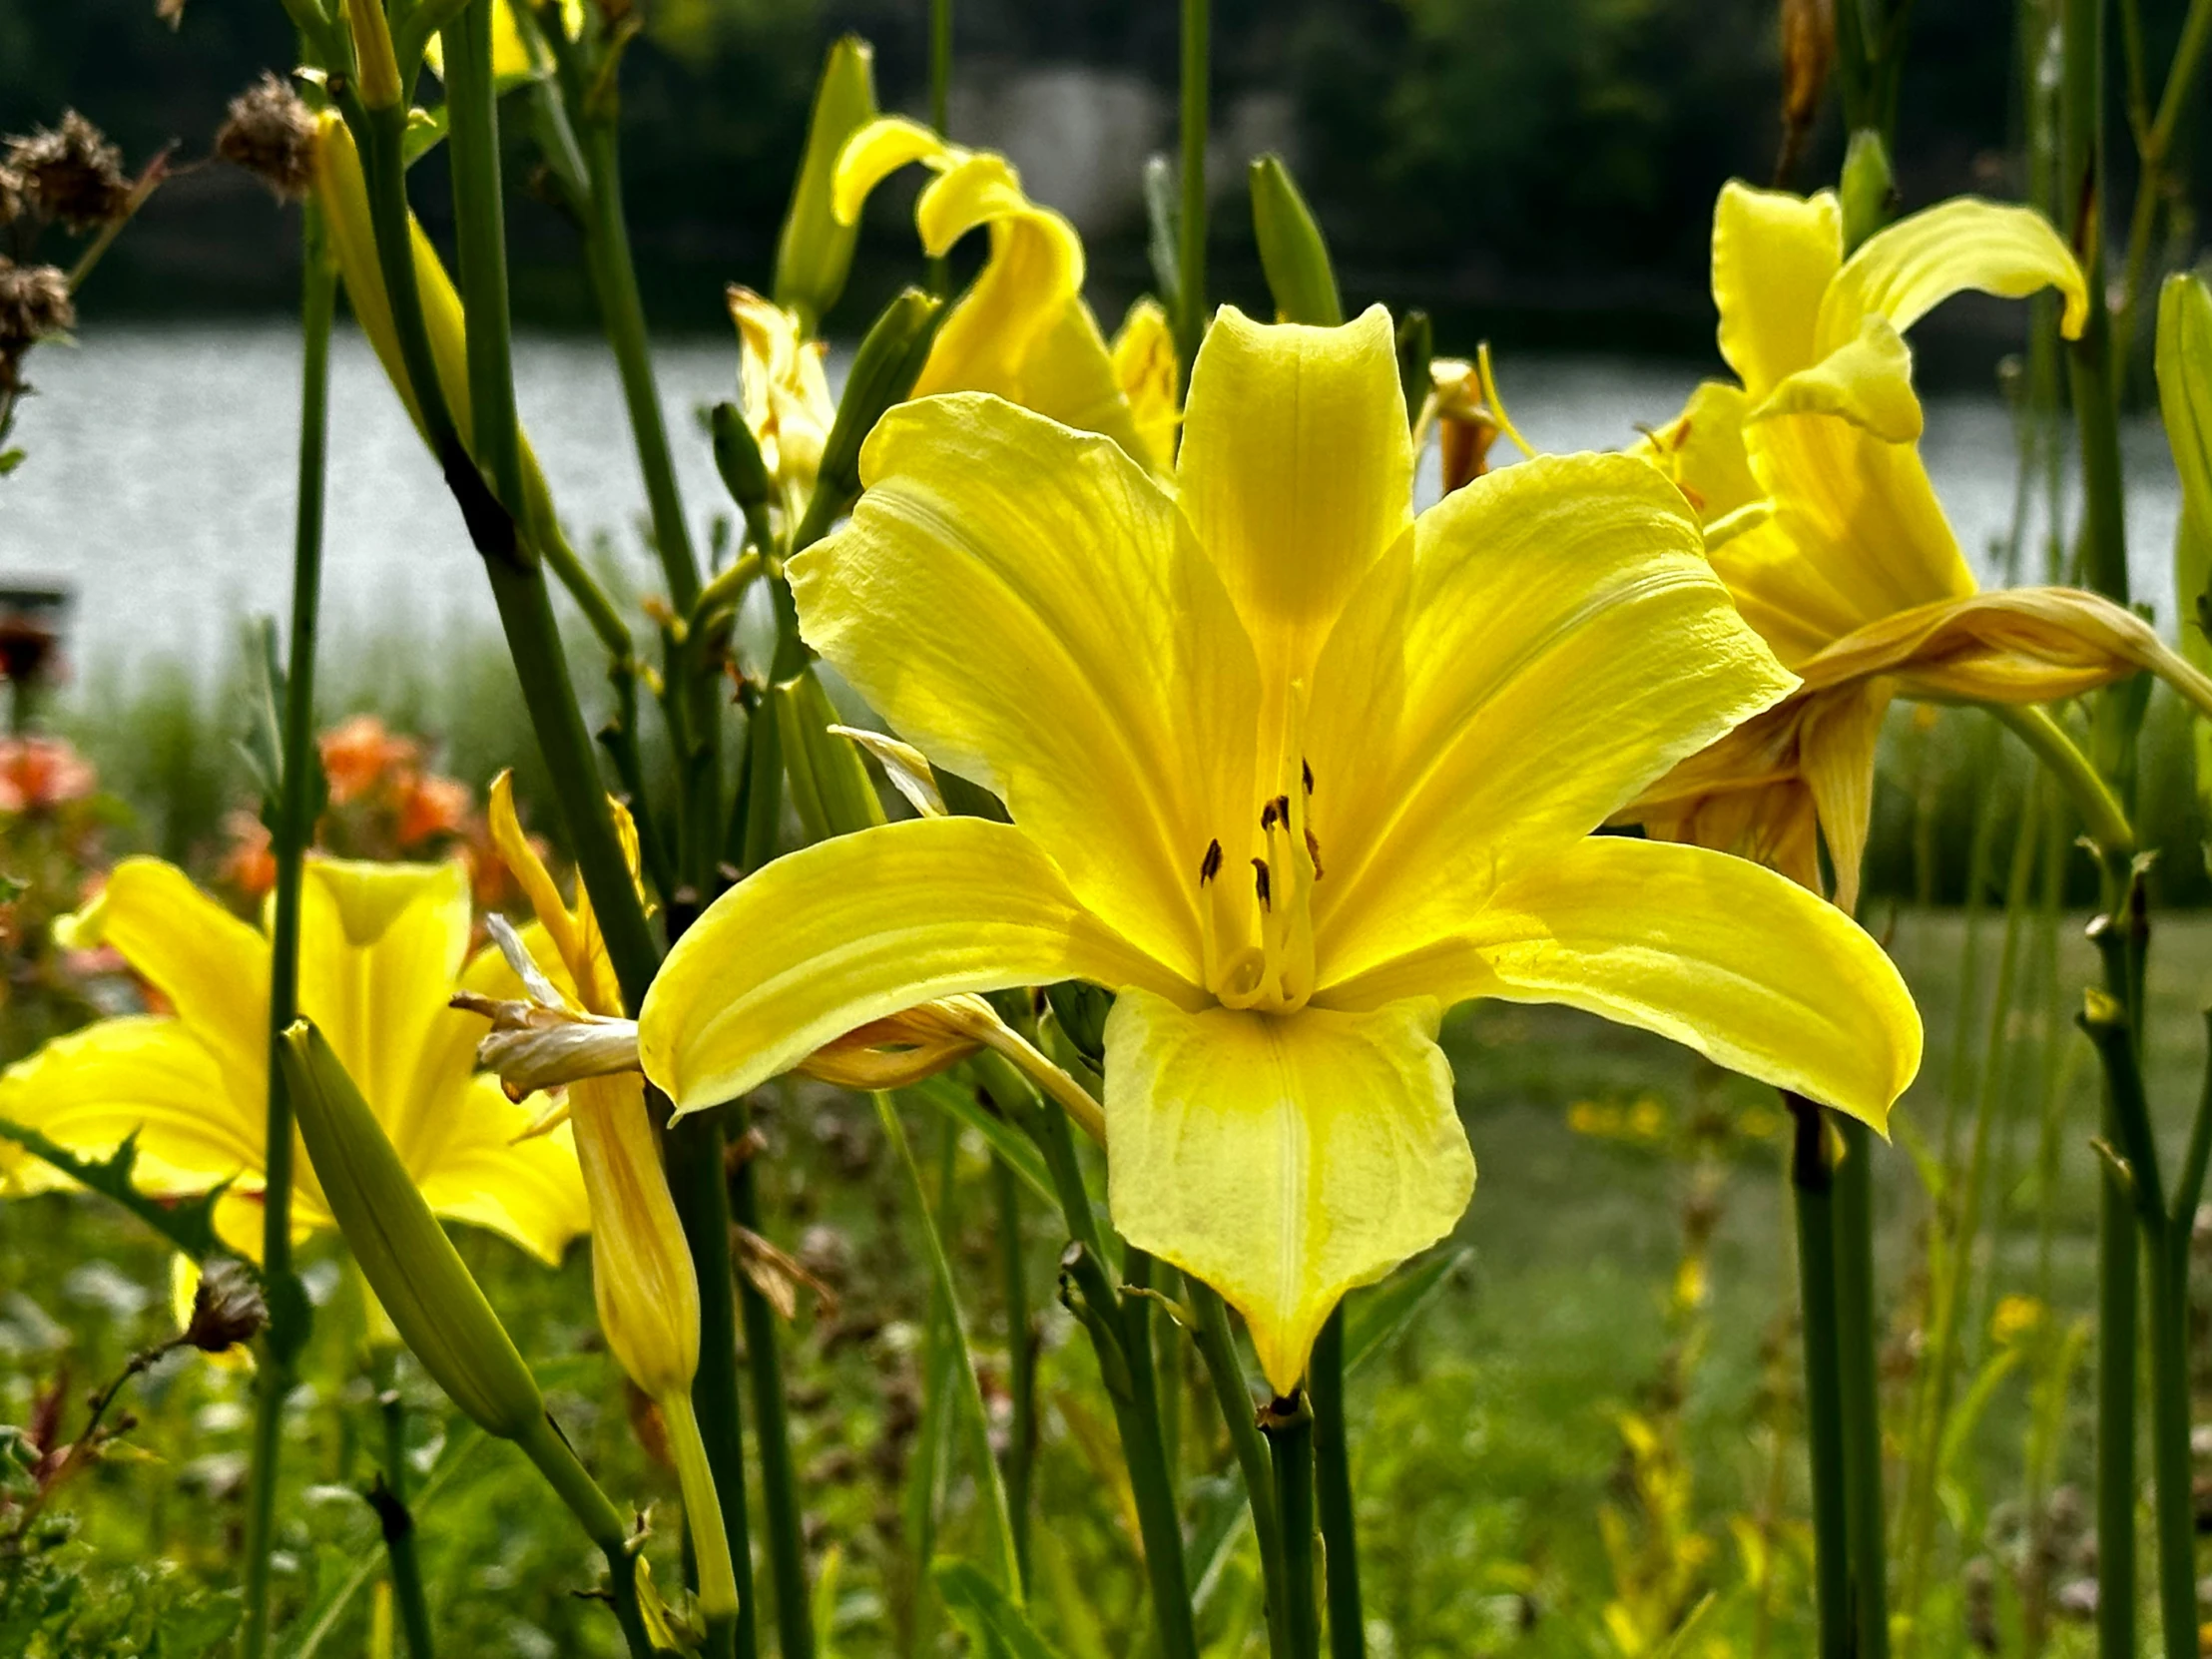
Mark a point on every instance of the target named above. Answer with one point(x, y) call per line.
point(397, 1523)
point(1324, 1386)
point(1190, 321)
point(547, 1447)
point(2118, 1321)
point(787, 1544)
point(2168, 1258)
point(1289, 1425)
point(295, 828)
point(1812, 1182)
point(1860, 1389)
point(1151, 1477)
point(1021, 1361)
point(1217, 1346)
point(941, 112)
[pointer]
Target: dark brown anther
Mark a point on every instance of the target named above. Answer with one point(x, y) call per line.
point(1269, 815)
point(1261, 883)
point(1210, 865)
point(1282, 810)
point(1306, 773)
point(1313, 851)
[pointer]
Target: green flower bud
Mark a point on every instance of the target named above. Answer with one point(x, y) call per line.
point(1292, 250)
point(2185, 390)
point(829, 783)
point(737, 459)
point(1869, 188)
point(884, 371)
point(814, 252)
point(403, 1253)
point(1417, 350)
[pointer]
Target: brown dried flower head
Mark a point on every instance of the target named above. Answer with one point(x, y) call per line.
point(34, 302)
point(272, 134)
point(71, 173)
point(227, 1309)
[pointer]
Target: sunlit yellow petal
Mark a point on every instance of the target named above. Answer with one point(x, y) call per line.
point(1145, 370)
point(993, 596)
point(1773, 257)
point(197, 1125)
point(1702, 450)
point(1052, 360)
point(1282, 1161)
point(379, 948)
point(1560, 643)
point(212, 967)
point(873, 155)
point(1904, 270)
point(526, 1190)
point(848, 930)
point(1736, 962)
point(1296, 472)
point(1866, 380)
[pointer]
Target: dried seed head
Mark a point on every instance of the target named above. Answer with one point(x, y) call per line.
point(270, 134)
point(34, 302)
point(227, 1309)
point(12, 205)
point(71, 173)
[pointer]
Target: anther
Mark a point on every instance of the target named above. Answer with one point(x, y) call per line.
point(1313, 851)
point(1210, 865)
point(1306, 771)
point(1260, 882)
point(1282, 810)
point(1268, 815)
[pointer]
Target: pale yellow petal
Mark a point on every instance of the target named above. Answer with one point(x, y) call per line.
point(1736, 962)
point(1866, 380)
point(1145, 370)
point(212, 967)
point(1702, 450)
point(993, 597)
point(1773, 258)
point(1836, 746)
point(1559, 644)
point(850, 930)
point(1296, 472)
point(643, 1281)
point(1283, 1160)
point(1903, 271)
point(527, 1191)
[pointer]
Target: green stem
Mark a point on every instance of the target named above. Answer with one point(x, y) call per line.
point(1812, 1180)
point(293, 830)
point(787, 1542)
point(1325, 1385)
point(396, 1520)
point(2118, 1324)
point(721, 1604)
point(2102, 821)
point(1217, 1346)
point(2167, 1255)
point(1861, 1390)
point(1190, 323)
point(2154, 146)
point(1151, 1478)
point(547, 1447)
point(693, 1152)
point(1021, 1361)
point(1289, 1425)
point(940, 106)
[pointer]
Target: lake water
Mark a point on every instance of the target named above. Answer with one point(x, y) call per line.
point(160, 477)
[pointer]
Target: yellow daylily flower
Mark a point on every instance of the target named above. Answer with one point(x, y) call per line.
point(643, 1282)
point(1145, 370)
point(1825, 526)
point(1291, 772)
point(788, 404)
point(381, 947)
point(1023, 331)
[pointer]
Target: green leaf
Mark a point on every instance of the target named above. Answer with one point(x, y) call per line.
point(187, 1223)
point(425, 132)
point(1374, 1318)
point(992, 1622)
point(951, 1095)
point(10, 459)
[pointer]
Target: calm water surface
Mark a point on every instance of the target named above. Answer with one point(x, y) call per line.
point(160, 479)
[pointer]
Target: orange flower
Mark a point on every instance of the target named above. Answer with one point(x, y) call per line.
point(41, 773)
point(359, 752)
point(430, 806)
point(249, 865)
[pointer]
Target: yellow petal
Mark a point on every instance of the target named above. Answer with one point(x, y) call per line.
point(1145, 370)
point(850, 930)
point(641, 1268)
point(213, 968)
point(1773, 257)
point(90, 1090)
point(1296, 472)
point(1560, 643)
point(1737, 963)
point(1702, 450)
point(527, 1191)
point(1867, 381)
point(1904, 270)
point(379, 948)
point(873, 155)
point(1836, 747)
point(997, 586)
point(1283, 1160)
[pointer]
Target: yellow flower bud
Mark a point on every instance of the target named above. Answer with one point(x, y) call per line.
point(403, 1253)
point(377, 70)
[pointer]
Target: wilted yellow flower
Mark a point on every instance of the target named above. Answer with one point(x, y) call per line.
point(381, 947)
point(786, 395)
point(1023, 331)
point(1824, 524)
point(1286, 773)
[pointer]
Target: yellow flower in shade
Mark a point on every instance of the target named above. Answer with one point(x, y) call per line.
point(1023, 331)
point(788, 404)
point(381, 947)
point(643, 1282)
point(1291, 772)
point(1824, 524)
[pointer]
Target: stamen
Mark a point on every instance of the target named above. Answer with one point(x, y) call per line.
point(1261, 885)
point(1313, 851)
point(1210, 865)
point(1268, 815)
point(1306, 771)
point(1281, 806)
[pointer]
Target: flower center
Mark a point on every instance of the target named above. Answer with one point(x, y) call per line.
point(1257, 940)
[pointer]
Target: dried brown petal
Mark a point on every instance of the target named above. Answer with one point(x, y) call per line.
point(272, 134)
point(227, 1309)
point(34, 302)
point(71, 174)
